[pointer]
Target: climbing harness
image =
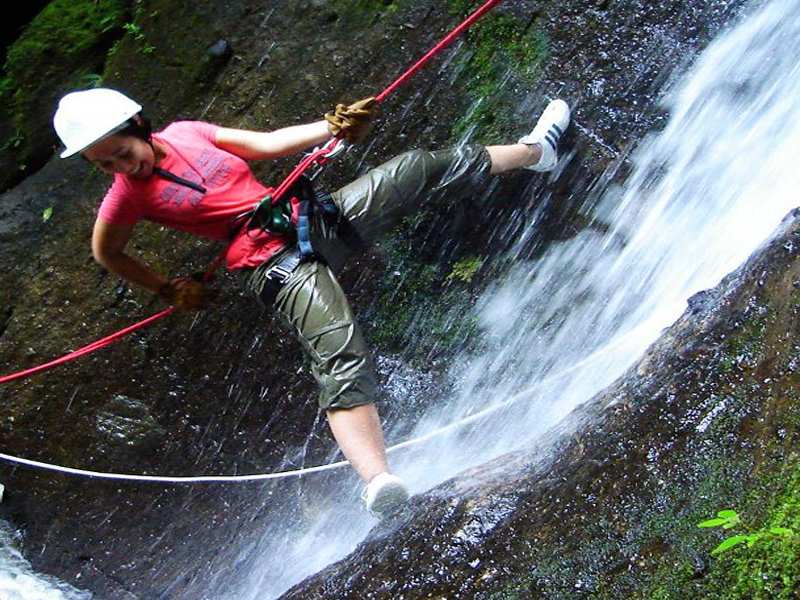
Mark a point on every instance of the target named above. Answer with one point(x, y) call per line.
point(278, 274)
point(292, 214)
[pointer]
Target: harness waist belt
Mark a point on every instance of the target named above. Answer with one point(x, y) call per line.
point(278, 274)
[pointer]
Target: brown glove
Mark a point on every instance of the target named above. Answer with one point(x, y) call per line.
point(353, 122)
point(188, 293)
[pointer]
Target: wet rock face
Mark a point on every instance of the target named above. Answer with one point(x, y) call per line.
point(127, 425)
point(207, 395)
point(602, 510)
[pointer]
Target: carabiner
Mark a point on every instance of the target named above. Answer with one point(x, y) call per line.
point(340, 148)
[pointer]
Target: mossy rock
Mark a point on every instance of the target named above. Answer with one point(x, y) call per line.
point(62, 48)
point(165, 67)
point(503, 54)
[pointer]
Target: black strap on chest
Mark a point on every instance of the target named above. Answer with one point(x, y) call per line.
point(179, 180)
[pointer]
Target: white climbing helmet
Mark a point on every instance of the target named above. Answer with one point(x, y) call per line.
point(88, 116)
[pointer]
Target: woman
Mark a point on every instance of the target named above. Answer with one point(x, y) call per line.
point(193, 176)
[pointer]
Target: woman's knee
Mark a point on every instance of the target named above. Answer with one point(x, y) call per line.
point(348, 390)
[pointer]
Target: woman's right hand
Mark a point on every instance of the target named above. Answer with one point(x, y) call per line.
point(352, 122)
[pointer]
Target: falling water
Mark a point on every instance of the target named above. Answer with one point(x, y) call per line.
point(703, 194)
point(19, 582)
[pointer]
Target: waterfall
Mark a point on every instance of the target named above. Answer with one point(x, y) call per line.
point(702, 195)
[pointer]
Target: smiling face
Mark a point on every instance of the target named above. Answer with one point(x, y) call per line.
point(127, 154)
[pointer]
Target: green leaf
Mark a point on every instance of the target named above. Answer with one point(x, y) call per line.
point(728, 514)
point(712, 523)
point(48, 212)
point(729, 543)
point(782, 531)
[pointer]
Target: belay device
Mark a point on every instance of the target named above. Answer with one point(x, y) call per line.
point(296, 207)
point(294, 212)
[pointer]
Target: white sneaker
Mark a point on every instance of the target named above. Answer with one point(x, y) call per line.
point(548, 131)
point(384, 495)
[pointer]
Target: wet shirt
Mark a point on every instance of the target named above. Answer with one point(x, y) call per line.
point(231, 189)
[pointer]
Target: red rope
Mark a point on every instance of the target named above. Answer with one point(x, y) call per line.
point(102, 343)
point(317, 157)
point(438, 48)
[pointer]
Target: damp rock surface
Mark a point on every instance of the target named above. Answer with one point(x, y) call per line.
point(226, 392)
point(127, 423)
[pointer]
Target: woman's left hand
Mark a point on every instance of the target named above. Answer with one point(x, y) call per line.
point(187, 293)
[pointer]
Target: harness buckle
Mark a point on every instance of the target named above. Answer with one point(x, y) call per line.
point(277, 275)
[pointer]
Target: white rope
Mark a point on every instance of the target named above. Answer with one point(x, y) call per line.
point(164, 479)
point(319, 468)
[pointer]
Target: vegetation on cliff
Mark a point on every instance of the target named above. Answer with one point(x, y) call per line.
point(62, 48)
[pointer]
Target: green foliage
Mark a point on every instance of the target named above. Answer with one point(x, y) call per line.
point(47, 213)
point(91, 80)
point(67, 27)
point(728, 519)
point(64, 28)
point(59, 50)
point(465, 269)
point(760, 563)
point(760, 475)
point(14, 141)
point(501, 53)
point(768, 564)
point(135, 31)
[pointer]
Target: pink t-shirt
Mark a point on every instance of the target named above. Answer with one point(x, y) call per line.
point(231, 189)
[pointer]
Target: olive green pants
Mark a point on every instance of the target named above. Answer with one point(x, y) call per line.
point(312, 301)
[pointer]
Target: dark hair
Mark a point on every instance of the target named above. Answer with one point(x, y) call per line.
point(143, 131)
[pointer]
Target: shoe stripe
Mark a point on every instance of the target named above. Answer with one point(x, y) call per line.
point(558, 129)
point(550, 140)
